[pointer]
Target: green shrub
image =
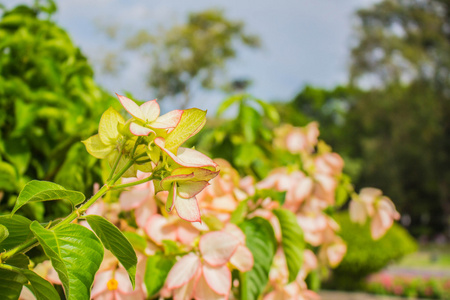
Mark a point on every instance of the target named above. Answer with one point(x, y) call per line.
point(49, 102)
point(364, 255)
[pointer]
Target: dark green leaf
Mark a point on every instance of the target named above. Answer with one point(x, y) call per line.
point(262, 243)
point(42, 289)
point(76, 254)
point(38, 191)
point(18, 153)
point(156, 271)
point(18, 228)
point(113, 240)
point(291, 240)
point(11, 284)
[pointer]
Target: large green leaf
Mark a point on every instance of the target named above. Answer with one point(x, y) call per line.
point(114, 240)
point(42, 289)
point(262, 243)
point(18, 229)
point(76, 254)
point(156, 271)
point(192, 120)
point(291, 240)
point(11, 282)
point(137, 241)
point(38, 191)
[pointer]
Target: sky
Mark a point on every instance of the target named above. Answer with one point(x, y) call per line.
point(303, 41)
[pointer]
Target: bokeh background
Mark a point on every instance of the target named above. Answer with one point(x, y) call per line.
point(373, 73)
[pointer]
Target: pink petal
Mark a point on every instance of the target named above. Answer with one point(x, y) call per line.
point(159, 229)
point(204, 292)
point(185, 292)
point(235, 231)
point(26, 294)
point(143, 212)
point(187, 209)
point(217, 247)
point(186, 233)
point(132, 198)
point(139, 130)
point(187, 157)
point(242, 259)
point(131, 107)
point(169, 120)
point(335, 253)
point(188, 189)
point(100, 283)
point(150, 110)
point(124, 281)
point(183, 271)
point(218, 278)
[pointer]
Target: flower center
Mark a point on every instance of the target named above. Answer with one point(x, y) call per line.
point(112, 284)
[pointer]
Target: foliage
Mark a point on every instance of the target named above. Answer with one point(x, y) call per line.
point(48, 103)
point(245, 141)
point(365, 256)
point(192, 54)
point(402, 52)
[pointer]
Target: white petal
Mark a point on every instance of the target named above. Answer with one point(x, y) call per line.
point(150, 110)
point(187, 209)
point(139, 130)
point(131, 107)
point(183, 271)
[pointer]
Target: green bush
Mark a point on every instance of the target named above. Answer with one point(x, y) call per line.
point(49, 102)
point(364, 255)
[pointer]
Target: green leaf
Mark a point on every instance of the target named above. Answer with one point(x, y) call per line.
point(260, 239)
point(7, 177)
point(113, 240)
point(11, 282)
point(76, 254)
point(228, 102)
point(107, 129)
point(238, 215)
point(156, 271)
point(38, 191)
point(96, 148)
point(137, 241)
point(17, 151)
point(42, 289)
point(192, 121)
point(171, 248)
point(292, 241)
point(3, 233)
point(270, 111)
point(18, 228)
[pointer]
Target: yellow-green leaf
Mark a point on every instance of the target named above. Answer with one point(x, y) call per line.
point(108, 128)
point(192, 121)
point(97, 148)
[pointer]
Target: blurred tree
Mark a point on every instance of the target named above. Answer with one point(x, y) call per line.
point(49, 102)
point(403, 123)
point(192, 54)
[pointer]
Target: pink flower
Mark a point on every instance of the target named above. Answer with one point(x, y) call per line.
point(208, 277)
point(385, 214)
point(46, 271)
point(112, 282)
point(147, 116)
point(186, 181)
point(141, 198)
point(159, 228)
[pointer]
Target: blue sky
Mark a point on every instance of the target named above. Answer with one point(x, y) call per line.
point(304, 41)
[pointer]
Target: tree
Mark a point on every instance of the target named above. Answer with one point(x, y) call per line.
point(403, 122)
point(192, 54)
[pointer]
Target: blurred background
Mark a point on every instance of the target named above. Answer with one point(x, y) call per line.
point(373, 73)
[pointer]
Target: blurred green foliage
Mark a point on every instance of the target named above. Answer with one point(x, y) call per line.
point(391, 124)
point(364, 255)
point(49, 102)
point(245, 141)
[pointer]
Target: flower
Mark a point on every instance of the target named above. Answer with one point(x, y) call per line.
point(191, 171)
point(208, 277)
point(147, 116)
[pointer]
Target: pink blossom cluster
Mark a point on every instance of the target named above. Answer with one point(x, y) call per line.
point(209, 245)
